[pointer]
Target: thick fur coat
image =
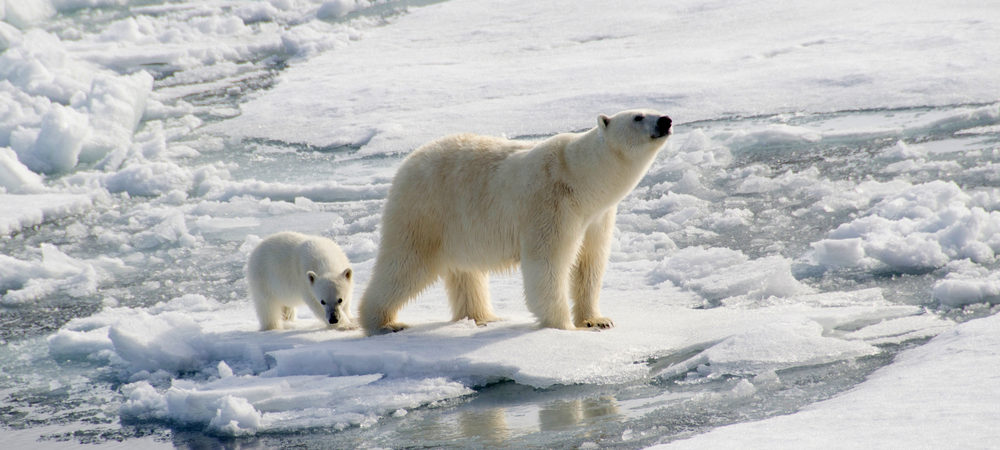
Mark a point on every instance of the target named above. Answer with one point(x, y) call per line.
point(465, 205)
point(289, 269)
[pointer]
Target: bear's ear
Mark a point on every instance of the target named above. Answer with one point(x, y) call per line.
point(603, 121)
point(312, 276)
point(348, 273)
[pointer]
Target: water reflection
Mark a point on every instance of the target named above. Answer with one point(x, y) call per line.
point(565, 414)
point(488, 425)
point(499, 424)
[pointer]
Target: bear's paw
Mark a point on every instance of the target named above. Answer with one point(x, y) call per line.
point(596, 322)
point(392, 327)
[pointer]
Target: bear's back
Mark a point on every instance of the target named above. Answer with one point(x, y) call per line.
point(322, 255)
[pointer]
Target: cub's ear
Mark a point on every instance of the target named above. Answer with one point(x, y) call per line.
point(347, 273)
point(312, 276)
point(603, 121)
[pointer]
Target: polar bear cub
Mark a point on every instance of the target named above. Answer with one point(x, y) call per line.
point(465, 205)
point(288, 269)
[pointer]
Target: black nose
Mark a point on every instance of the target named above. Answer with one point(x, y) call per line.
point(663, 126)
point(333, 318)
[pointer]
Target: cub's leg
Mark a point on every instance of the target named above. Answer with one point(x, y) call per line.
point(469, 295)
point(269, 317)
point(269, 312)
point(288, 313)
point(588, 272)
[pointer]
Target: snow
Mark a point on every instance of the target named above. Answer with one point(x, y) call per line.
point(493, 71)
point(938, 395)
point(28, 210)
point(967, 284)
point(276, 381)
point(921, 227)
point(24, 281)
point(718, 273)
point(830, 196)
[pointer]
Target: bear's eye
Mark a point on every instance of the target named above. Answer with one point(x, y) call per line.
point(340, 300)
point(322, 302)
point(639, 118)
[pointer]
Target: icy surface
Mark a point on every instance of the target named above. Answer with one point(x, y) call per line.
point(958, 365)
point(830, 201)
point(276, 374)
point(531, 68)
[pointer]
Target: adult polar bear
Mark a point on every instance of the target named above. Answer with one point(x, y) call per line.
point(464, 205)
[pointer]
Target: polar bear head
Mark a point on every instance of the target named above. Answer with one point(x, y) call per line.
point(635, 132)
point(332, 292)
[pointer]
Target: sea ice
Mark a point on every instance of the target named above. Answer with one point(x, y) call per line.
point(919, 388)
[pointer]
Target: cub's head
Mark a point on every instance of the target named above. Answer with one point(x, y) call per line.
point(332, 293)
point(638, 131)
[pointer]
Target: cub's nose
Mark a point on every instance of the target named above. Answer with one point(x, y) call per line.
point(333, 318)
point(663, 126)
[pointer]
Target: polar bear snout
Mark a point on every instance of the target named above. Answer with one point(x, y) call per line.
point(334, 310)
point(662, 128)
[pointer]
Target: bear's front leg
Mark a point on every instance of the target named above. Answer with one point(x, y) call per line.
point(588, 272)
point(546, 260)
point(469, 295)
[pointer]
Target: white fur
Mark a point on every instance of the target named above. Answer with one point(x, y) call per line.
point(465, 205)
point(289, 269)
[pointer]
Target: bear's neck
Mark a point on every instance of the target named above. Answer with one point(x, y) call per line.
point(602, 175)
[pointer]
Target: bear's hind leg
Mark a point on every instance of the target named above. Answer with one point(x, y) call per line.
point(469, 295)
point(268, 310)
point(268, 313)
point(394, 282)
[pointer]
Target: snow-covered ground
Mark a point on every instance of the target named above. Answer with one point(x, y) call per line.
point(812, 259)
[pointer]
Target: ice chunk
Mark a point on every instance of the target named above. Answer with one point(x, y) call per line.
point(235, 416)
point(923, 227)
point(114, 106)
point(23, 281)
point(55, 146)
point(718, 273)
point(839, 252)
point(24, 14)
point(903, 150)
point(149, 179)
point(71, 5)
point(251, 382)
point(246, 405)
point(22, 211)
point(8, 34)
point(770, 136)
point(772, 346)
point(960, 292)
point(16, 177)
point(333, 9)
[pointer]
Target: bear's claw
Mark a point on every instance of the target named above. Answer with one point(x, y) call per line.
point(599, 322)
point(393, 327)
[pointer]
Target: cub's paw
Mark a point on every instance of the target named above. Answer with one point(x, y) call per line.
point(346, 326)
point(596, 323)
